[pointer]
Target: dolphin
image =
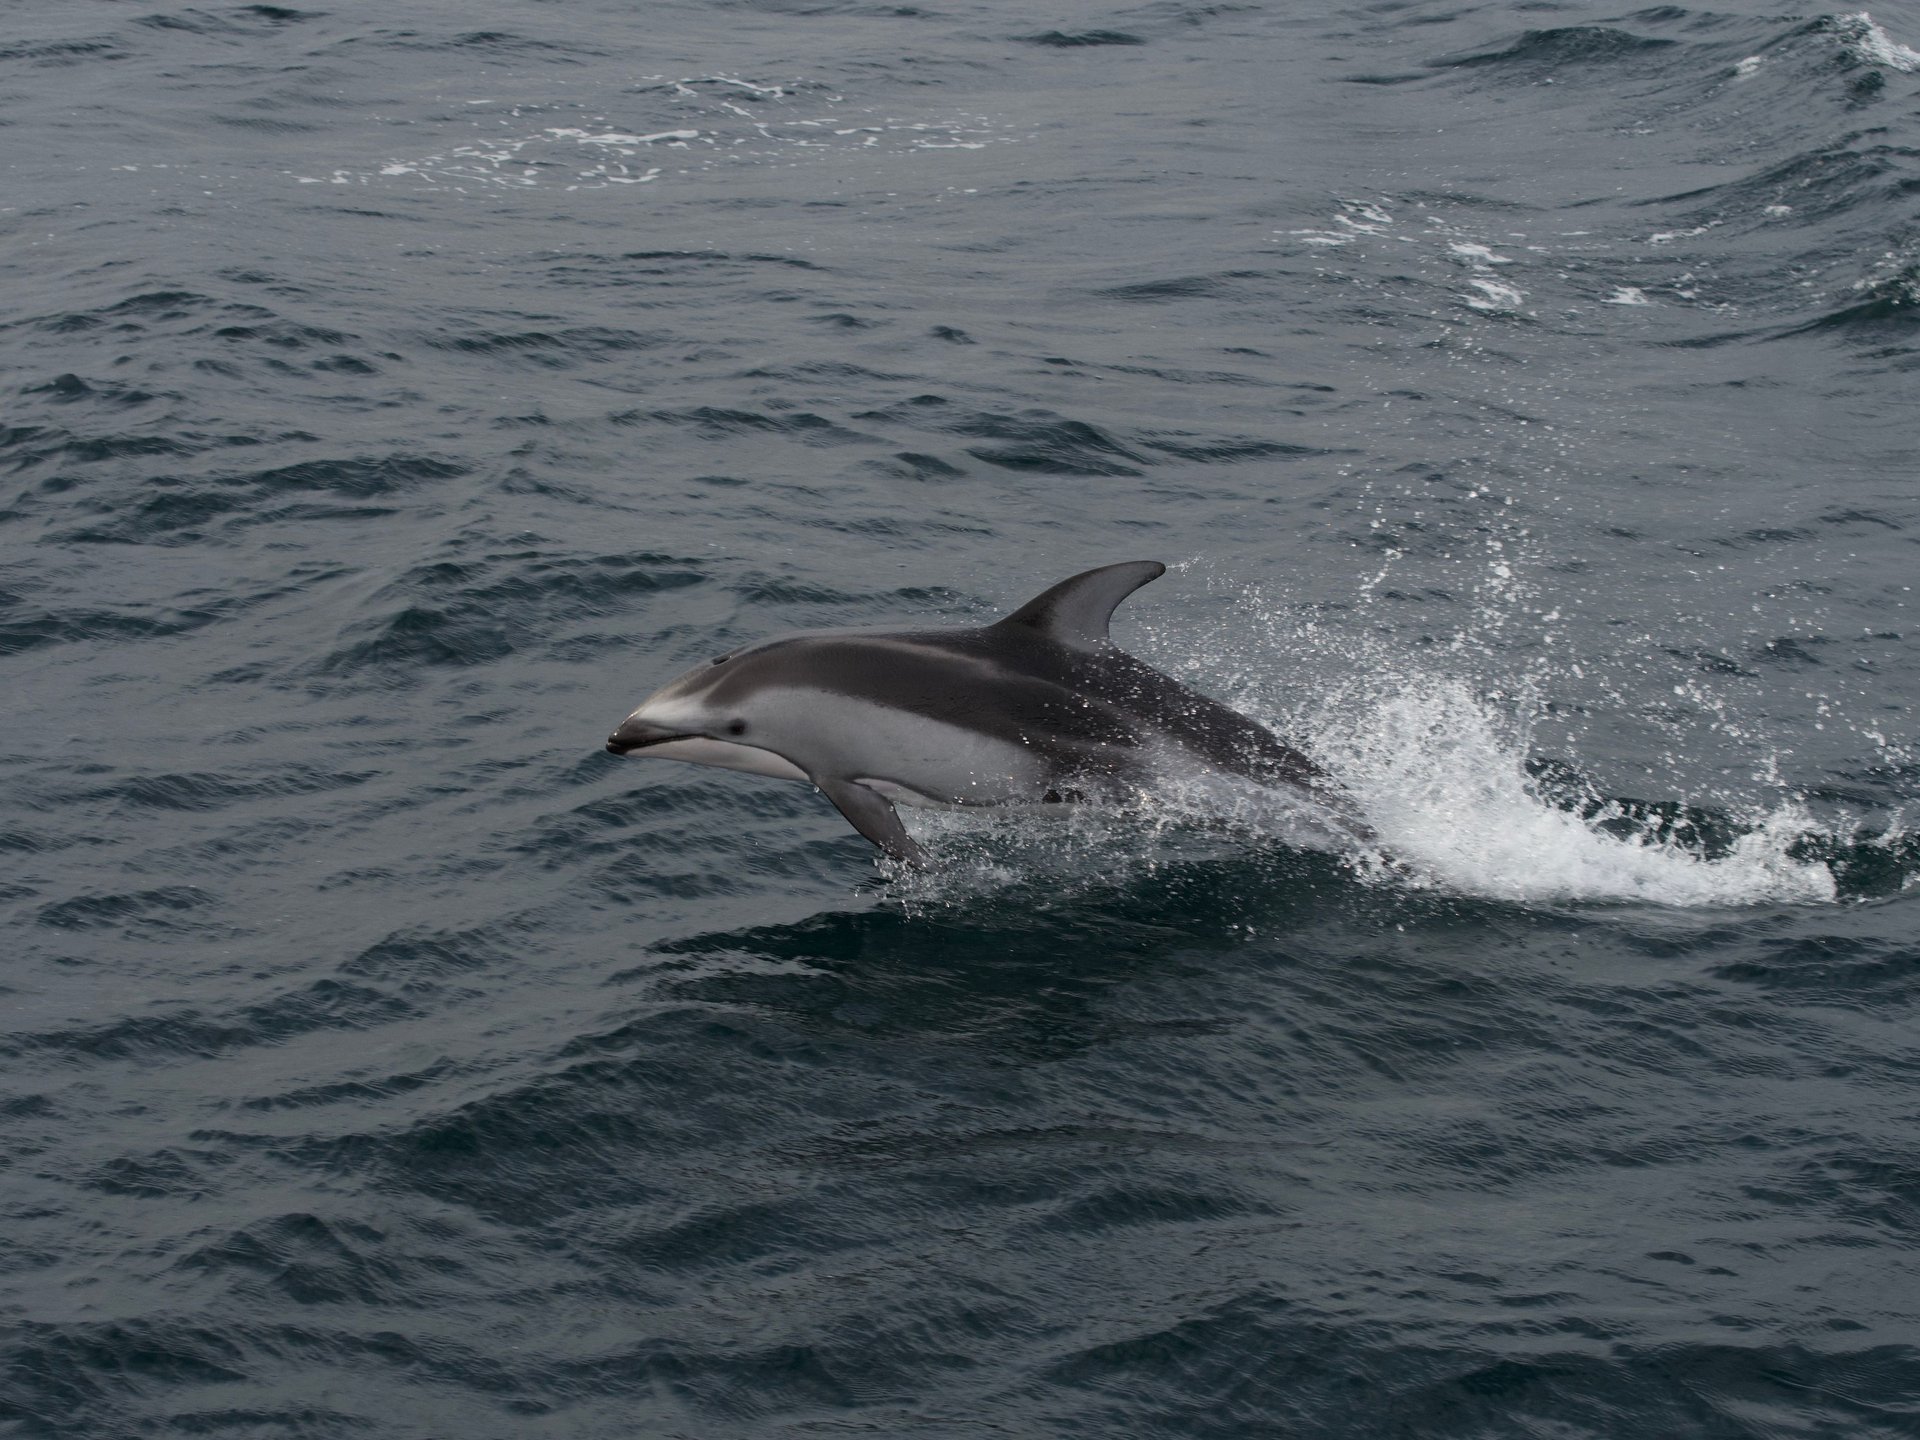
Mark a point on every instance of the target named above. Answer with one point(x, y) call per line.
point(1040, 708)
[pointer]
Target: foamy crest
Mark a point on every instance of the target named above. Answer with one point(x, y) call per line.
point(1872, 44)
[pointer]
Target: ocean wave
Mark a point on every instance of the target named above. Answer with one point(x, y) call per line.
point(473, 612)
point(189, 1034)
point(1551, 51)
point(1082, 39)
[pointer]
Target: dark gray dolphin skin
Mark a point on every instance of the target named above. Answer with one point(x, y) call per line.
point(1039, 708)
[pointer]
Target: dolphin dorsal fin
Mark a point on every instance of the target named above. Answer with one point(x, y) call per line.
point(1077, 611)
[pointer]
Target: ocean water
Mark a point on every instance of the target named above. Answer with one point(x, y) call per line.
point(1524, 397)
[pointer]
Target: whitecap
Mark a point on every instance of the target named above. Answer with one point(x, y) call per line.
point(1872, 44)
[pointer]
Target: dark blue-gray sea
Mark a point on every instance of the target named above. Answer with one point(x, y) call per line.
point(1526, 397)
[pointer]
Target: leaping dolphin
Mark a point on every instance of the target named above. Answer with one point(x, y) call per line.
point(1039, 708)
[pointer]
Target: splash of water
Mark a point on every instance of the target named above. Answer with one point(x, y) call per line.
point(1448, 790)
point(1440, 760)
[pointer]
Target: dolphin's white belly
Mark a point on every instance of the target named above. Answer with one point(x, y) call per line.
point(724, 754)
point(907, 757)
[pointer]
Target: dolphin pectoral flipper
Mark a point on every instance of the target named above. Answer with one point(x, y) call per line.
point(873, 816)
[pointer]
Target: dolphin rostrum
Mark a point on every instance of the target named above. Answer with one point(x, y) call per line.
point(1039, 708)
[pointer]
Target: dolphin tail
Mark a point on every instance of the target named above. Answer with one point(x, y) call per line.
point(873, 817)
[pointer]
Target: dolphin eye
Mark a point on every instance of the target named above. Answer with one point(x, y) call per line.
point(737, 727)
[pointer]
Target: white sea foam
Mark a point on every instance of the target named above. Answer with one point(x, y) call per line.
point(1489, 294)
point(735, 122)
point(1872, 44)
point(1489, 274)
point(1667, 237)
point(619, 141)
point(1494, 296)
point(1443, 780)
point(1357, 219)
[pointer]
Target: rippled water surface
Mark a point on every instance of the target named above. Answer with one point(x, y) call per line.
point(1524, 396)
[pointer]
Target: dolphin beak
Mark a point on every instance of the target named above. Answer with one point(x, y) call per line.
point(636, 734)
